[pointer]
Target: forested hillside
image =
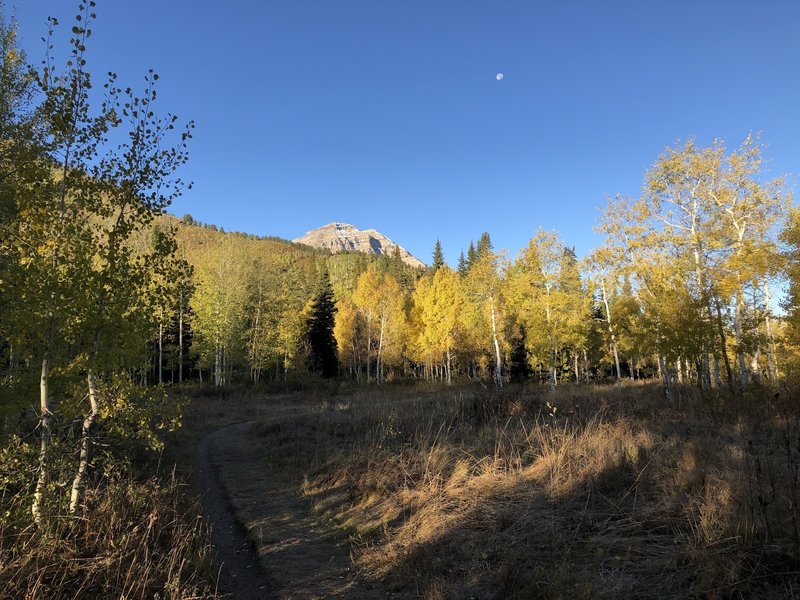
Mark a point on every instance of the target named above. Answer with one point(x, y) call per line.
point(683, 289)
point(253, 298)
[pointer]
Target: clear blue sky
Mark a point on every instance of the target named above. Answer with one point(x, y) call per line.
point(388, 114)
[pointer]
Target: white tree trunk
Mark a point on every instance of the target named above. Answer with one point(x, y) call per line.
point(662, 367)
point(217, 366)
point(160, 348)
point(369, 346)
point(772, 365)
point(498, 373)
point(611, 330)
point(78, 483)
point(180, 343)
point(743, 373)
point(449, 378)
point(379, 363)
point(44, 447)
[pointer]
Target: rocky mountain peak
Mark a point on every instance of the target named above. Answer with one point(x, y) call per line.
point(342, 237)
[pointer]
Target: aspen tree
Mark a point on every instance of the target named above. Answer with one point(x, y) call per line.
point(381, 304)
point(550, 301)
point(72, 230)
point(439, 303)
point(346, 330)
point(219, 305)
point(484, 288)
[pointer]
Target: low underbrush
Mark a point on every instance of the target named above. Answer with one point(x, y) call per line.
point(140, 539)
point(140, 532)
point(587, 492)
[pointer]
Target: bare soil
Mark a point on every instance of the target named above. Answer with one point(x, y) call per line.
point(239, 571)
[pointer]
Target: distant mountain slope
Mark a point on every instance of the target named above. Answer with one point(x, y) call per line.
point(341, 237)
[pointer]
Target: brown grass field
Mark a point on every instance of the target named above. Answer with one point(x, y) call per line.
point(588, 492)
point(436, 492)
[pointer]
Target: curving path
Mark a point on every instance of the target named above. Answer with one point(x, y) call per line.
point(267, 542)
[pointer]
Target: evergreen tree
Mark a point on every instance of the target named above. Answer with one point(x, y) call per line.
point(397, 261)
point(484, 245)
point(472, 256)
point(322, 357)
point(462, 265)
point(438, 256)
point(519, 369)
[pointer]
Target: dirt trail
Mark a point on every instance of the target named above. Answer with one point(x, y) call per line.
point(239, 571)
point(274, 547)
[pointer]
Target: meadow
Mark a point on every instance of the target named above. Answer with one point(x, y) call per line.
point(591, 491)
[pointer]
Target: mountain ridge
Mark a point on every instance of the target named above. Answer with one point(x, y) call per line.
point(342, 237)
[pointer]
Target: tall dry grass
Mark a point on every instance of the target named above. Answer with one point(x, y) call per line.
point(588, 492)
point(141, 538)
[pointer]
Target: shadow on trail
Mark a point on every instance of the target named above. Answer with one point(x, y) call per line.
point(240, 575)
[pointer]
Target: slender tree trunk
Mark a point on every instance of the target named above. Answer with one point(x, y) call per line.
point(78, 483)
point(12, 357)
point(575, 365)
point(449, 379)
point(662, 367)
point(724, 346)
point(160, 348)
point(705, 368)
point(717, 380)
point(611, 330)
point(217, 365)
point(379, 366)
point(586, 365)
point(755, 365)
point(356, 362)
point(44, 426)
point(737, 327)
point(369, 346)
point(180, 342)
point(702, 282)
point(755, 360)
point(255, 354)
point(552, 370)
point(772, 365)
point(498, 373)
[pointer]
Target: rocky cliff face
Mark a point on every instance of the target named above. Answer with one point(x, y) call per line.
point(340, 237)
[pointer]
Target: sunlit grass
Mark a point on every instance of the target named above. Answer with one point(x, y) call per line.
point(591, 491)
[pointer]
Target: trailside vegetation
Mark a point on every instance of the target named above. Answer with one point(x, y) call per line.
point(89, 278)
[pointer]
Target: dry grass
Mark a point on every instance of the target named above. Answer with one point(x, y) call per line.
point(588, 492)
point(144, 535)
point(142, 539)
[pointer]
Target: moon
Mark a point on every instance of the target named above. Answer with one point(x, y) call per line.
point(499, 76)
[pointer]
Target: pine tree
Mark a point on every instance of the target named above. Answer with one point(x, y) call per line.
point(462, 265)
point(438, 256)
point(322, 357)
point(518, 368)
point(472, 256)
point(485, 247)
